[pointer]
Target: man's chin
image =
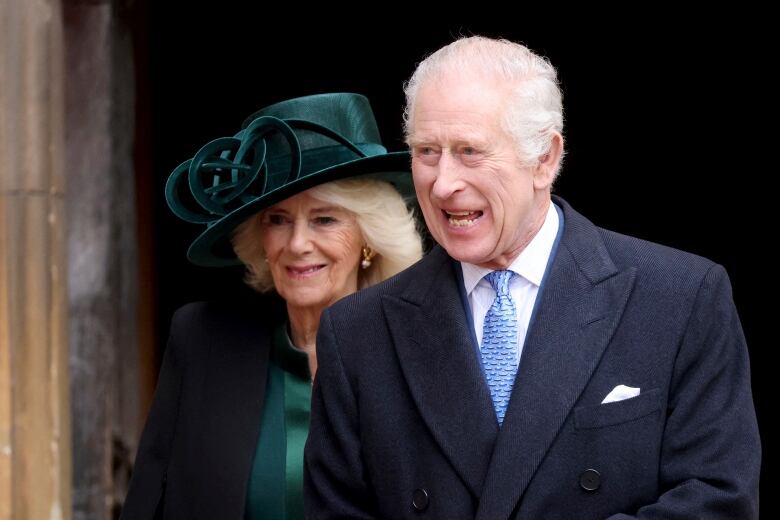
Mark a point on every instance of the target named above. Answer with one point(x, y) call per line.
point(462, 254)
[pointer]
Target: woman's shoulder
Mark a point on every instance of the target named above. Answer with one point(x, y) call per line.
point(262, 309)
point(224, 321)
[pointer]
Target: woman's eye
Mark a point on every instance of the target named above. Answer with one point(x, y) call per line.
point(276, 220)
point(468, 150)
point(324, 221)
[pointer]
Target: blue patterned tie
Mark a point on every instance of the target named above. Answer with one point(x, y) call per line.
point(499, 342)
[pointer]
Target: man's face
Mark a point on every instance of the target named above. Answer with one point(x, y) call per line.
point(480, 203)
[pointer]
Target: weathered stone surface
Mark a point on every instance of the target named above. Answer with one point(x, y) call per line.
point(35, 464)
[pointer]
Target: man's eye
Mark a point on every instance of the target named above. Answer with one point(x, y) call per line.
point(426, 150)
point(468, 150)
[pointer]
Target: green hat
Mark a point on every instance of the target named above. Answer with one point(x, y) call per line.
point(282, 150)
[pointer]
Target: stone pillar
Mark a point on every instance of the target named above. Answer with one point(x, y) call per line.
point(102, 252)
point(35, 463)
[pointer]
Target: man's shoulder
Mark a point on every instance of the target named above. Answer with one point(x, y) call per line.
point(627, 251)
point(662, 275)
point(660, 269)
point(647, 253)
point(412, 279)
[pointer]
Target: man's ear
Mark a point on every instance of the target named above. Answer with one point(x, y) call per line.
point(545, 170)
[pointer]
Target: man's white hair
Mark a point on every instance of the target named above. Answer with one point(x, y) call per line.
point(534, 108)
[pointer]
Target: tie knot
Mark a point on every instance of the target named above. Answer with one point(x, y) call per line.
point(499, 281)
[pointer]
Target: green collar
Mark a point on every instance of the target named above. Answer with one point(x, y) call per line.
point(287, 356)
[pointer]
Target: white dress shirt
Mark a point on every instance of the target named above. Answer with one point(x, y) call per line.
point(529, 265)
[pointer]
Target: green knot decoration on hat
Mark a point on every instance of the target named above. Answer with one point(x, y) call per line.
point(282, 150)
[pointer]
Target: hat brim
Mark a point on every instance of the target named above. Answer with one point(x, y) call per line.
point(213, 248)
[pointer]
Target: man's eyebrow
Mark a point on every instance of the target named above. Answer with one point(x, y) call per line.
point(417, 141)
point(465, 140)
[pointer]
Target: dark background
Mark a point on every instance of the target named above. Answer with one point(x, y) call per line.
point(663, 124)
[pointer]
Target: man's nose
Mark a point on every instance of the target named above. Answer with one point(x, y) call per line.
point(448, 178)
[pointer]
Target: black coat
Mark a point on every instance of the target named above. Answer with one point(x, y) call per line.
point(402, 423)
point(197, 448)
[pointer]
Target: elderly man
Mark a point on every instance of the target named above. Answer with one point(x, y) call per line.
point(532, 365)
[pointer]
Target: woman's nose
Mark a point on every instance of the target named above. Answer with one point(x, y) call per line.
point(300, 240)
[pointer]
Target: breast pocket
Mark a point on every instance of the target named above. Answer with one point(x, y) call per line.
point(610, 414)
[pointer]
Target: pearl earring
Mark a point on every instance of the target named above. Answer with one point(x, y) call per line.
point(367, 256)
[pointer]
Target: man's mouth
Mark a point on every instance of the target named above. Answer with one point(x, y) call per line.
point(462, 218)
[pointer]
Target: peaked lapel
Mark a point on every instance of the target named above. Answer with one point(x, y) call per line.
point(581, 304)
point(439, 361)
point(235, 381)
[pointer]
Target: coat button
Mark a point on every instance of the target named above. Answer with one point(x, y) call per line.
point(590, 480)
point(420, 499)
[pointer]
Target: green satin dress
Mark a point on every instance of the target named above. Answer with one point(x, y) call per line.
point(276, 481)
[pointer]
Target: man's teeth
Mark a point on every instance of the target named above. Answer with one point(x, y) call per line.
point(467, 218)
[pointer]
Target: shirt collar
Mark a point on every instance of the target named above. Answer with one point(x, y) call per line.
point(530, 263)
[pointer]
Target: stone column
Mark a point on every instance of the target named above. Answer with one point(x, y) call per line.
point(102, 252)
point(35, 463)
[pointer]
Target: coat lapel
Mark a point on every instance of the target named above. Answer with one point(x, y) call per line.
point(439, 361)
point(581, 304)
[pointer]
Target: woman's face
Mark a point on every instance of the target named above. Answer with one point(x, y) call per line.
point(313, 249)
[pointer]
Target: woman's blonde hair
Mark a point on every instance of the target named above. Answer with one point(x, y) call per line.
point(388, 227)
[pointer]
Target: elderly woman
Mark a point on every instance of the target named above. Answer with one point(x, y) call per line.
point(313, 205)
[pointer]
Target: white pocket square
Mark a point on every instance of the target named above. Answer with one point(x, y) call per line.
point(620, 393)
